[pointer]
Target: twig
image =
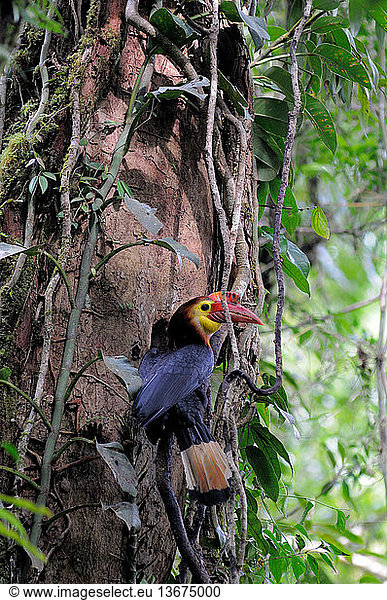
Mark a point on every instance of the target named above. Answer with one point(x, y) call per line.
point(230, 329)
point(164, 484)
point(173, 52)
point(45, 93)
point(208, 148)
point(46, 348)
point(21, 475)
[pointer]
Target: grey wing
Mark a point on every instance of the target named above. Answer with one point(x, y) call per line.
point(175, 375)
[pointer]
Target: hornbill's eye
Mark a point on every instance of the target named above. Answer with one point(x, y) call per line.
point(205, 307)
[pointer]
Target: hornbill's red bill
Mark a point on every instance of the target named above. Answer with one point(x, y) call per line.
point(172, 398)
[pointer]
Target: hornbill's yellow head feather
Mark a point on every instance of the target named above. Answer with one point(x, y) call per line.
point(195, 321)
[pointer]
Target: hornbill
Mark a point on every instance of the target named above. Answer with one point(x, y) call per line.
point(171, 398)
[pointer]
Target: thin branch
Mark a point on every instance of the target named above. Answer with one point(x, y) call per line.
point(164, 484)
point(45, 93)
point(173, 52)
point(44, 360)
point(292, 128)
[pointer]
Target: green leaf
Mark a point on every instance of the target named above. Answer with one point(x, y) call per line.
point(341, 522)
point(369, 579)
point(256, 25)
point(275, 32)
point(272, 441)
point(264, 471)
point(7, 446)
point(329, 23)
point(43, 183)
point(312, 562)
point(125, 372)
point(172, 92)
point(291, 218)
point(33, 184)
point(49, 175)
point(272, 115)
point(180, 250)
point(344, 63)
point(302, 530)
point(174, 28)
point(322, 121)
point(282, 79)
point(378, 12)
point(32, 551)
point(341, 39)
point(25, 504)
point(308, 507)
point(144, 214)
point(327, 559)
point(326, 4)
point(355, 12)
point(277, 566)
point(319, 222)
point(298, 566)
point(267, 159)
point(298, 258)
point(294, 273)
point(5, 372)
point(119, 464)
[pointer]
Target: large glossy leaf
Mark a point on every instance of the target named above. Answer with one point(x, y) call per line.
point(271, 440)
point(282, 79)
point(268, 163)
point(174, 28)
point(264, 471)
point(119, 464)
point(322, 121)
point(326, 4)
point(341, 39)
point(294, 273)
point(356, 15)
point(328, 23)
point(145, 214)
point(294, 262)
point(256, 25)
point(344, 63)
point(378, 11)
point(272, 115)
point(275, 32)
point(298, 258)
point(192, 88)
point(125, 372)
point(319, 222)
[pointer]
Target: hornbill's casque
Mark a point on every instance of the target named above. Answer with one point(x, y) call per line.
point(171, 398)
